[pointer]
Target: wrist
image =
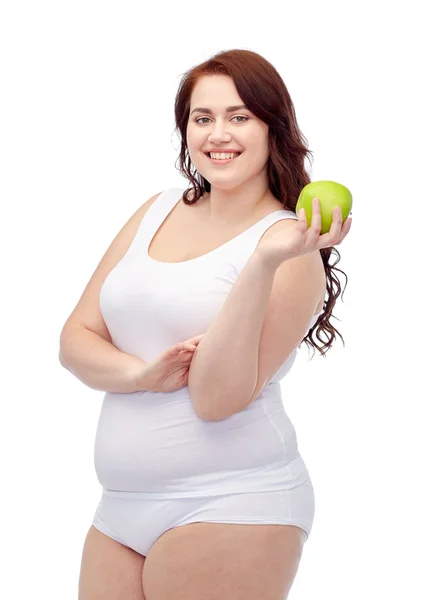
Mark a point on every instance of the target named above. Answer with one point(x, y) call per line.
point(137, 375)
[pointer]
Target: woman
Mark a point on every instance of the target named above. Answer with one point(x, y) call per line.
point(189, 322)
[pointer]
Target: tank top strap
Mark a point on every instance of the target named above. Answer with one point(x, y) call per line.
point(154, 217)
point(238, 250)
point(247, 243)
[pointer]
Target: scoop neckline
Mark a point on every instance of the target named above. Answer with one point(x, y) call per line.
point(215, 250)
point(211, 252)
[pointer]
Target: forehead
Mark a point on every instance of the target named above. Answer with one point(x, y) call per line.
point(215, 91)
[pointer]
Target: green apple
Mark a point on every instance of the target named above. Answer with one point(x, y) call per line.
point(330, 194)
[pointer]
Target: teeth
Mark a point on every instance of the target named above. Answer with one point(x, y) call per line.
point(223, 155)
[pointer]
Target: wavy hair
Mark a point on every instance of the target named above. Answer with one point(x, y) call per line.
point(265, 94)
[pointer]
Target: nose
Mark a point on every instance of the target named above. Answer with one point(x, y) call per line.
point(219, 133)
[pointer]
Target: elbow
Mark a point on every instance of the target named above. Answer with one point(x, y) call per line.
point(205, 416)
point(61, 357)
point(215, 409)
point(208, 415)
point(213, 406)
point(204, 408)
point(62, 360)
point(66, 346)
point(62, 354)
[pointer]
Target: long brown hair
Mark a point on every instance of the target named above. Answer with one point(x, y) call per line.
point(265, 94)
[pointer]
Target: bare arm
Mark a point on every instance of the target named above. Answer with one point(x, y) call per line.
point(98, 363)
point(264, 318)
point(86, 348)
point(224, 369)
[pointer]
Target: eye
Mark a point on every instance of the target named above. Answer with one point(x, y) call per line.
point(236, 117)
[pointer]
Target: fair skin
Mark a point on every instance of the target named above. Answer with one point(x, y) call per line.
point(239, 190)
point(263, 319)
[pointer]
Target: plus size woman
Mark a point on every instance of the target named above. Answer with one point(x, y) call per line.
point(189, 323)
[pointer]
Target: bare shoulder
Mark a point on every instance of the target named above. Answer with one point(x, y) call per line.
point(283, 225)
point(279, 226)
point(87, 312)
point(311, 262)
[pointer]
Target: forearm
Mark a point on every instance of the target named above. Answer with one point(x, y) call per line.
point(98, 363)
point(224, 369)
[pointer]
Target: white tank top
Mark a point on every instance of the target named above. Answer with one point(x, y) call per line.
point(152, 444)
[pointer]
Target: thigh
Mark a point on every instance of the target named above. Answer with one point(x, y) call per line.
point(109, 570)
point(218, 561)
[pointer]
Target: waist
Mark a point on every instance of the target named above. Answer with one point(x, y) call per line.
point(272, 479)
point(158, 445)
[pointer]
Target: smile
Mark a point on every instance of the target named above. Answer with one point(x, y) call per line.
point(224, 161)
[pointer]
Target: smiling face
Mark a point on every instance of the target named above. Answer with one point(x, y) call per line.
point(212, 126)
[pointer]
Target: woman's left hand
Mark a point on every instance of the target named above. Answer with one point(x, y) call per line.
point(299, 240)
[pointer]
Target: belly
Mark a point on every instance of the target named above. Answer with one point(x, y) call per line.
point(152, 442)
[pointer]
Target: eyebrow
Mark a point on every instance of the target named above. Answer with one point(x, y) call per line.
point(228, 109)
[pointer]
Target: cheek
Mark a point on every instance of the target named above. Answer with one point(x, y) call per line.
point(253, 140)
point(195, 140)
point(260, 149)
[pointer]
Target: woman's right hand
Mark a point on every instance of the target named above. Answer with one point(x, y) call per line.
point(169, 370)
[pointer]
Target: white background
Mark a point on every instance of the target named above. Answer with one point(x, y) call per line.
point(87, 98)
